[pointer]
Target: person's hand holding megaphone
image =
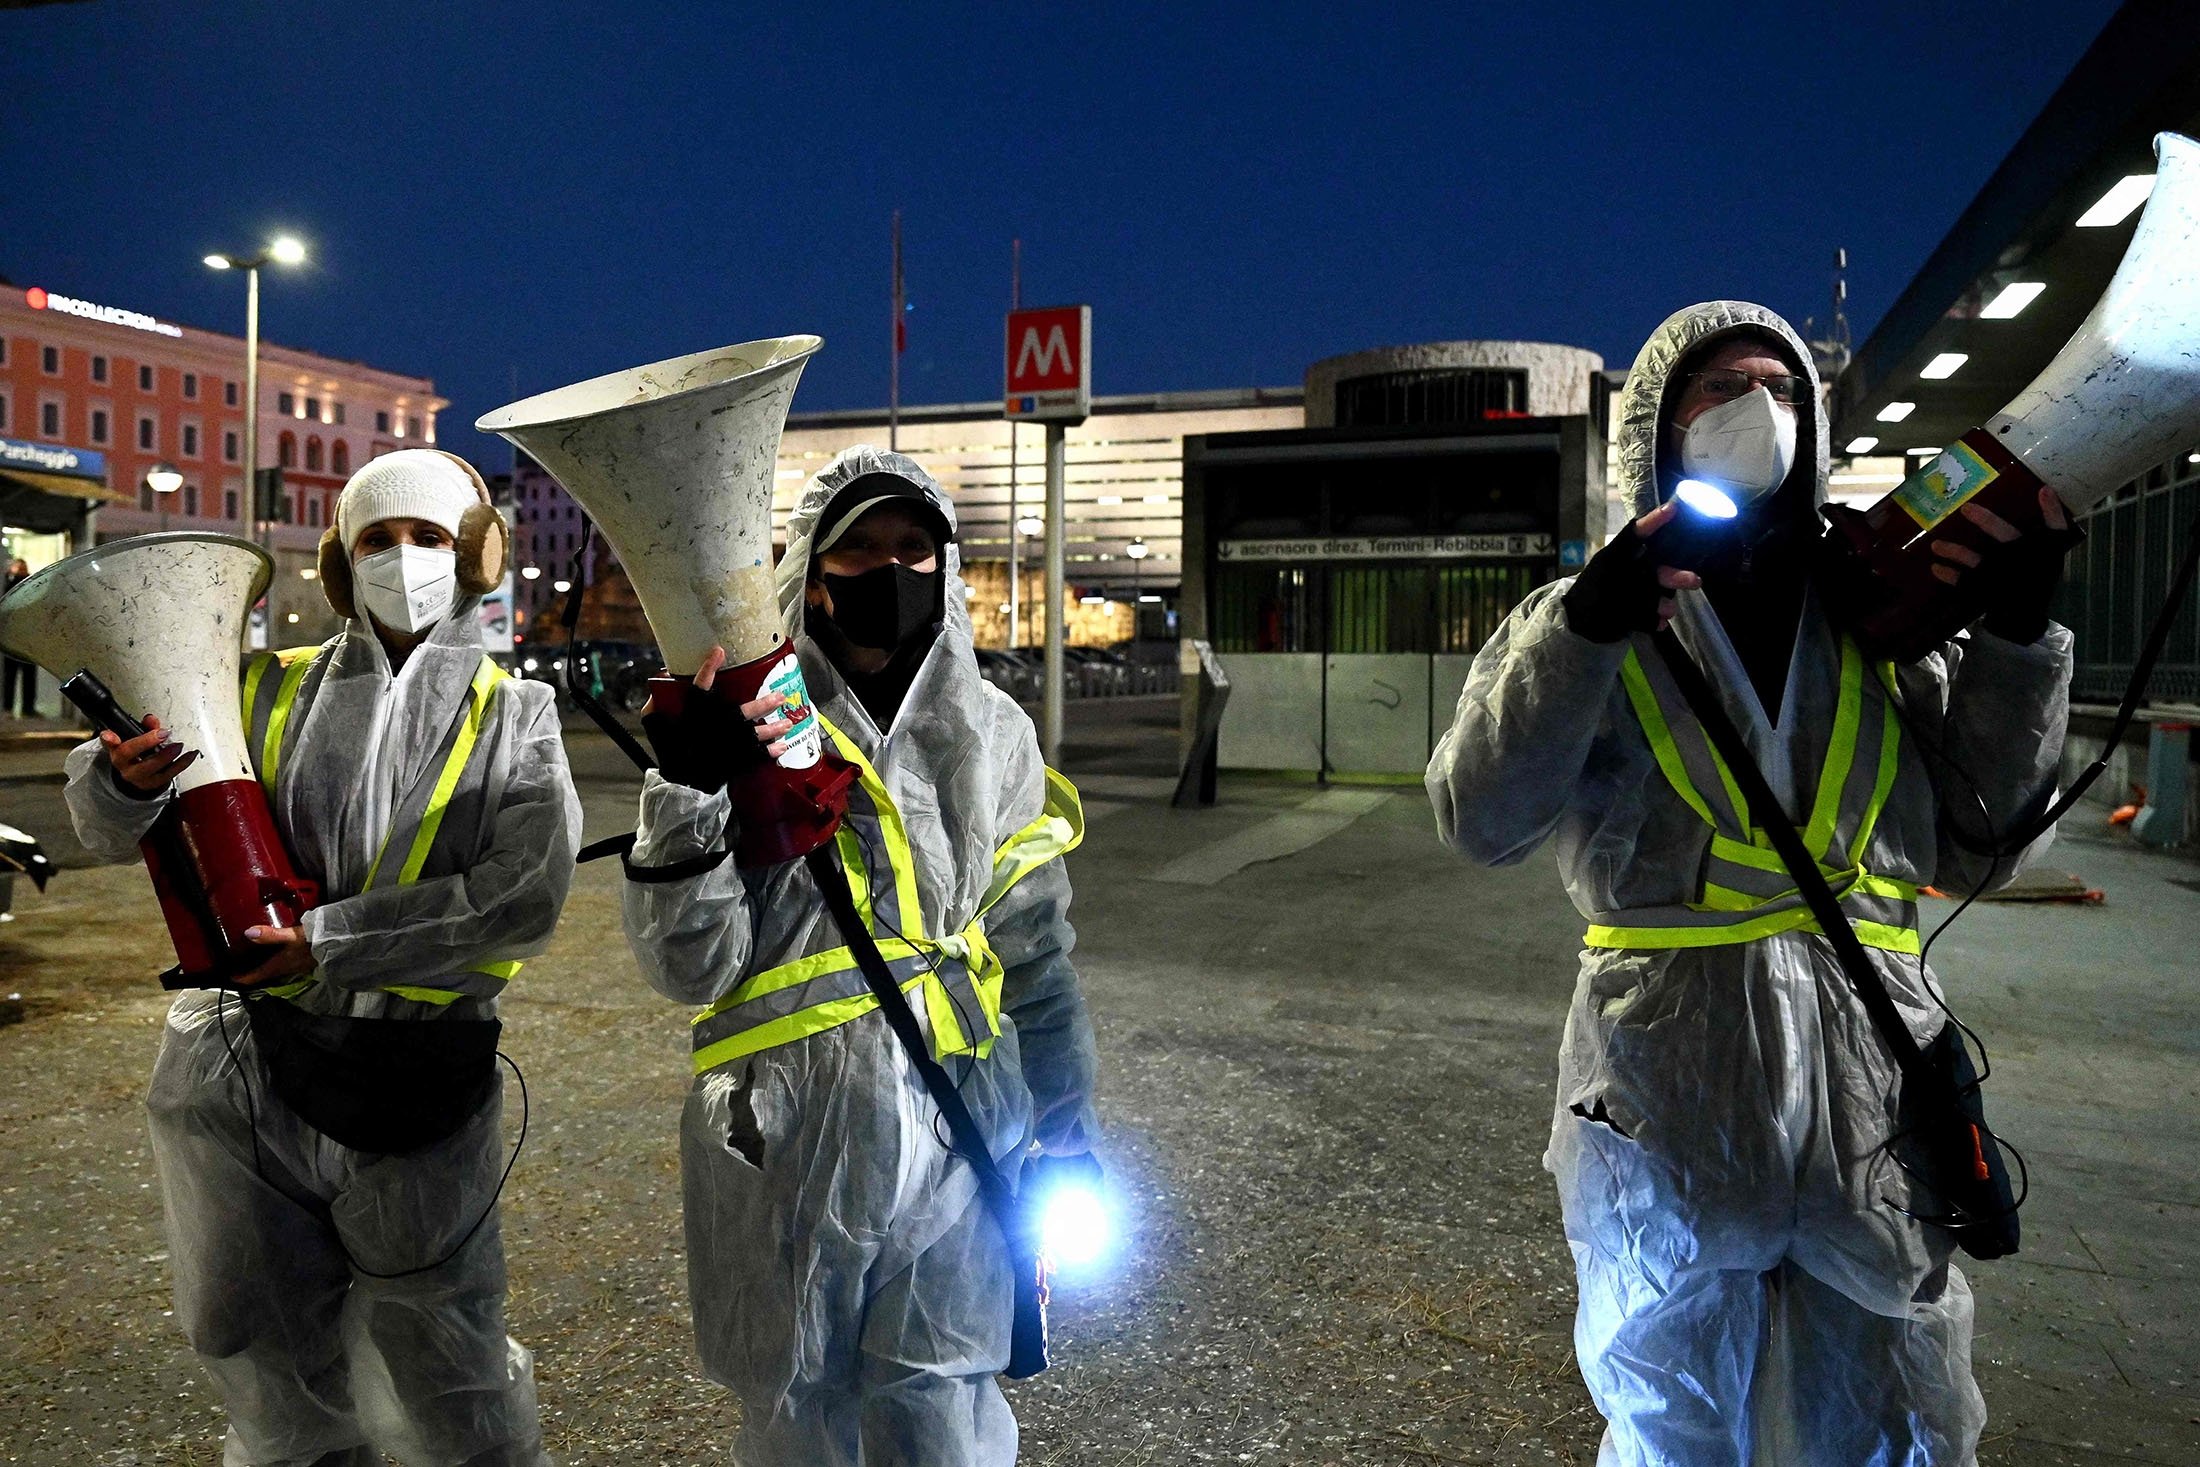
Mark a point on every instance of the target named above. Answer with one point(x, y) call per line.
point(149, 763)
point(703, 746)
point(2016, 582)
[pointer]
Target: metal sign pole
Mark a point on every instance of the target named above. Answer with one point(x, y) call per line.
point(1057, 533)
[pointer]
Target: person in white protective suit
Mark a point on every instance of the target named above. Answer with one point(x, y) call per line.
point(1747, 1293)
point(329, 1144)
point(848, 1283)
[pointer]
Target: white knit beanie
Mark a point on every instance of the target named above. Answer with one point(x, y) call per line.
point(412, 483)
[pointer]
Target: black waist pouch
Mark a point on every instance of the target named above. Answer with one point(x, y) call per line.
point(387, 1086)
point(1943, 1143)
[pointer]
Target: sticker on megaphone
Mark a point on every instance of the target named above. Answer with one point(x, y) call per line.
point(803, 741)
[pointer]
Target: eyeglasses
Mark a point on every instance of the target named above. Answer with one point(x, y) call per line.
point(1724, 383)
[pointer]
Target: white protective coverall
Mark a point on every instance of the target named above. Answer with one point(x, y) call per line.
point(848, 1283)
point(318, 1363)
point(1743, 1288)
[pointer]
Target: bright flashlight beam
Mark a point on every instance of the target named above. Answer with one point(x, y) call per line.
point(1075, 1226)
point(1706, 499)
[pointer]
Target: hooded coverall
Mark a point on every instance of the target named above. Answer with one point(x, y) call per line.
point(848, 1284)
point(314, 1360)
point(1745, 1292)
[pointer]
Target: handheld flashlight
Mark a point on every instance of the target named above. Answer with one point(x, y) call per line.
point(1701, 525)
point(1075, 1227)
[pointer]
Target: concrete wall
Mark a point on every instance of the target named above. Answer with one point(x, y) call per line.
point(1558, 376)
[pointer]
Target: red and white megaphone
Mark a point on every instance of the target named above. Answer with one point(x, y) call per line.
point(158, 622)
point(675, 463)
point(2121, 396)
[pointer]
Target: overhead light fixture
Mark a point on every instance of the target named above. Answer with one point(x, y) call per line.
point(1111, 499)
point(1093, 600)
point(1031, 525)
point(1895, 412)
point(2011, 299)
point(1861, 445)
point(1157, 499)
point(1922, 452)
point(1943, 365)
point(2119, 203)
point(284, 250)
point(970, 592)
point(1150, 600)
point(561, 587)
point(1867, 478)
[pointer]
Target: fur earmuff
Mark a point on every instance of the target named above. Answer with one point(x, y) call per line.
point(335, 563)
point(484, 547)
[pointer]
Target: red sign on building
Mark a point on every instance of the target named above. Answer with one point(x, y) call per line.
point(1050, 363)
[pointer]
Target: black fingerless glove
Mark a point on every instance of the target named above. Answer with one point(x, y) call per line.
point(2016, 582)
point(706, 745)
point(1617, 592)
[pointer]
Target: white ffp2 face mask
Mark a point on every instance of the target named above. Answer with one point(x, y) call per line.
point(407, 588)
point(1745, 446)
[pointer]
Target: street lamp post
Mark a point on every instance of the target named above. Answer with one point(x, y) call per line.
point(163, 479)
point(1029, 524)
point(1137, 550)
point(282, 250)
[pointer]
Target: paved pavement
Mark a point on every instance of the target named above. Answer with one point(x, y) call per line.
point(1328, 1056)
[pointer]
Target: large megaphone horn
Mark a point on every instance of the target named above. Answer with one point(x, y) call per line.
point(2121, 396)
point(675, 463)
point(155, 624)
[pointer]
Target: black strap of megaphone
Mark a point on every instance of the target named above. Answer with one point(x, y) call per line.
point(622, 845)
point(2034, 826)
point(1767, 814)
point(574, 683)
point(962, 1127)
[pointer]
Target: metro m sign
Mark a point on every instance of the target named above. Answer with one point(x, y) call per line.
point(1050, 363)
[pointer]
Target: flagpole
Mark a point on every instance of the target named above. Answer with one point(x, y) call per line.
point(1015, 537)
point(893, 344)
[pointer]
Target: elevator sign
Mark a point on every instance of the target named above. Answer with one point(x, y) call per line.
point(1050, 363)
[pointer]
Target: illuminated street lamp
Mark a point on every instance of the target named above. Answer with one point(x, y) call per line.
point(531, 572)
point(282, 250)
point(163, 479)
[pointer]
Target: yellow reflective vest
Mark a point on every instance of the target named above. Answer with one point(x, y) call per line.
point(272, 684)
point(1746, 892)
point(954, 977)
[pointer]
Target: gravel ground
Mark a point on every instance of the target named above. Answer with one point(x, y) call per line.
point(1326, 1083)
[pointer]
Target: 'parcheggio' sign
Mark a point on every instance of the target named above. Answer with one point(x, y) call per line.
point(1392, 547)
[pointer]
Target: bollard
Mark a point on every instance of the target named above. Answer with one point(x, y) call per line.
point(2169, 778)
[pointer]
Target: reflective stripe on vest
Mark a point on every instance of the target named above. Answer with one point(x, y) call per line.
point(418, 818)
point(1746, 892)
point(959, 976)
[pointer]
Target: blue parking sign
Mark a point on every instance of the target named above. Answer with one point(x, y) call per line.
point(1573, 554)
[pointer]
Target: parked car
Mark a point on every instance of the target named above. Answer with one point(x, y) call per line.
point(1011, 672)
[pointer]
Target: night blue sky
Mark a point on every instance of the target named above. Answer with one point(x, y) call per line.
point(564, 189)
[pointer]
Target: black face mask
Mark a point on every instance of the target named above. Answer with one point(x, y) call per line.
point(884, 608)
